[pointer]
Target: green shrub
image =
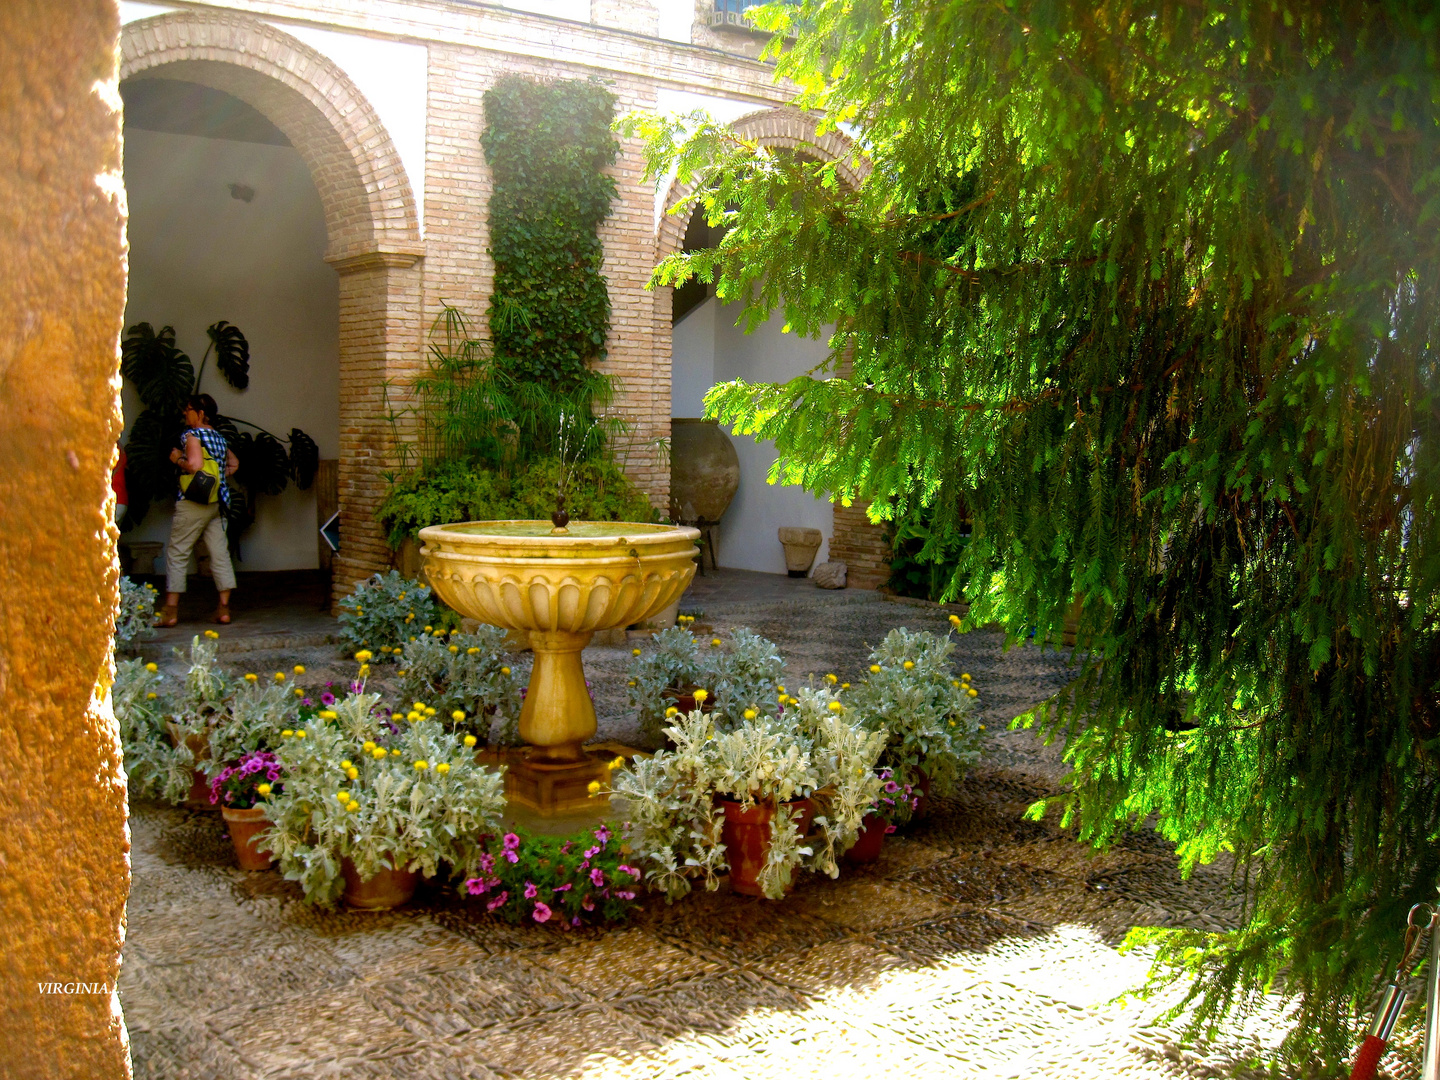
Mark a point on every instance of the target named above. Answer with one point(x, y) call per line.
point(135, 614)
point(454, 491)
point(384, 611)
point(468, 673)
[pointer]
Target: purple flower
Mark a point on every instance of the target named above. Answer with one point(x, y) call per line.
point(498, 901)
point(602, 834)
point(357, 686)
point(511, 856)
point(632, 871)
point(565, 848)
point(590, 853)
point(885, 774)
point(575, 921)
point(477, 886)
point(587, 903)
point(530, 891)
point(541, 912)
point(889, 829)
point(487, 862)
point(624, 894)
point(273, 774)
point(892, 787)
point(914, 804)
point(562, 888)
point(327, 698)
point(597, 876)
point(511, 841)
point(307, 702)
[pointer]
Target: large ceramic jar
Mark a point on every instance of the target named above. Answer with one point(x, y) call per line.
point(704, 471)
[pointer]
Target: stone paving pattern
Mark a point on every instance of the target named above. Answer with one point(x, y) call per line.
point(980, 945)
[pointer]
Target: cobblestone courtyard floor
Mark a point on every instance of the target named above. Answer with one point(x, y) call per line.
point(981, 944)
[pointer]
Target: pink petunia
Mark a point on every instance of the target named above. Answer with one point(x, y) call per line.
point(587, 903)
point(511, 841)
point(590, 853)
point(530, 891)
point(487, 862)
point(511, 856)
point(575, 921)
point(625, 894)
point(597, 876)
point(541, 913)
point(327, 698)
point(889, 829)
point(477, 886)
point(891, 788)
point(602, 834)
point(631, 870)
point(563, 888)
point(499, 901)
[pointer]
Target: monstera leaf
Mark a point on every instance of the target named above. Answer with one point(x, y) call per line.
point(264, 465)
point(161, 374)
point(238, 517)
point(232, 354)
point(149, 474)
point(304, 459)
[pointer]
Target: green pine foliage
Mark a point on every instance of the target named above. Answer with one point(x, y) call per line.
point(1153, 294)
point(548, 145)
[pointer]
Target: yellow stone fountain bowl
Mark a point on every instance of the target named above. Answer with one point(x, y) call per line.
point(594, 576)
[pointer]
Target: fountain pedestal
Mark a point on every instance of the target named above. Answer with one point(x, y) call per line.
point(559, 586)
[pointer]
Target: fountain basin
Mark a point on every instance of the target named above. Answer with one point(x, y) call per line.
point(559, 586)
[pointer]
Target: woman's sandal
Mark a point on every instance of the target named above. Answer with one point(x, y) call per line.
point(168, 616)
point(222, 615)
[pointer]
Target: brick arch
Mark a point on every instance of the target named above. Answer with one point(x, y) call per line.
point(783, 127)
point(369, 204)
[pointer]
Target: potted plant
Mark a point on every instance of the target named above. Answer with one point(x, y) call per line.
point(743, 673)
point(199, 704)
point(928, 711)
point(385, 611)
point(744, 799)
point(466, 678)
point(371, 805)
point(241, 790)
point(154, 766)
point(567, 880)
point(895, 798)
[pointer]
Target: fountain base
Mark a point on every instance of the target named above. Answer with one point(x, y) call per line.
point(558, 787)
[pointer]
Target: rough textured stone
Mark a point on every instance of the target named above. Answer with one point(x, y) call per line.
point(64, 847)
point(829, 575)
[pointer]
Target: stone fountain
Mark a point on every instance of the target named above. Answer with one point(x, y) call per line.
point(559, 583)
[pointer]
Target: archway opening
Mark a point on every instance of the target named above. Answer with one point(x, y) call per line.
point(226, 223)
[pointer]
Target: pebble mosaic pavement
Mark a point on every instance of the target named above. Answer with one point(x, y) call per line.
point(980, 945)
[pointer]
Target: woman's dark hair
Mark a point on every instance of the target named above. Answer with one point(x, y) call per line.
point(205, 405)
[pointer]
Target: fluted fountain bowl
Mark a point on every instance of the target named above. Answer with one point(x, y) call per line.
point(560, 586)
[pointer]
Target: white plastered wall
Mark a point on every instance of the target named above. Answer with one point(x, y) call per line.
point(708, 348)
point(197, 255)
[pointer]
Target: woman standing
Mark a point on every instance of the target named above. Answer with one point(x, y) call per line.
point(196, 520)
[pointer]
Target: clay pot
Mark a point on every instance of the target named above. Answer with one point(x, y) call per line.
point(245, 826)
point(387, 889)
point(199, 796)
point(866, 849)
point(704, 470)
point(746, 835)
point(922, 786)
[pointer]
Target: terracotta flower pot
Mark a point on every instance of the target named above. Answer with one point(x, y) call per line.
point(199, 796)
point(244, 826)
point(746, 835)
point(922, 793)
point(387, 889)
point(866, 848)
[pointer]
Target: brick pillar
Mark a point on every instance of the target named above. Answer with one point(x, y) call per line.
point(861, 546)
point(380, 340)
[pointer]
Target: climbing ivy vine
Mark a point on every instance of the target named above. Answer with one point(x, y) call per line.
point(548, 145)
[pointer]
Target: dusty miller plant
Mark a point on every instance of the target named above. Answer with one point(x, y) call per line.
point(384, 796)
point(384, 611)
point(736, 676)
point(468, 673)
point(134, 615)
point(155, 768)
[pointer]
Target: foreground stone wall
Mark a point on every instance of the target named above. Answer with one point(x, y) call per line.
point(64, 845)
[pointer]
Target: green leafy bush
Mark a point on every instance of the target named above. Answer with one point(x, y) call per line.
point(452, 491)
point(743, 674)
point(384, 611)
point(154, 767)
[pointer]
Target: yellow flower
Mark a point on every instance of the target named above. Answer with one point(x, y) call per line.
point(458, 715)
point(634, 652)
point(345, 764)
point(504, 671)
point(343, 796)
point(401, 671)
point(286, 733)
point(252, 677)
point(412, 716)
point(973, 692)
point(363, 655)
point(954, 682)
point(412, 637)
point(152, 668)
point(780, 690)
point(397, 717)
point(400, 597)
point(909, 665)
point(378, 753)
point(439, 633)
point(410, 618)
point(618, 763)
point(965, 677)
point(714, 641)
point(832, 679)
point(300, 733)
point(443, 768)
point(368, 746)
point(453, 631)
point(359, 610)
point(212, 634)
point(844, 686)
point(263, 789)
point(593, 787)
point(982, 727)
point(421, 766)
point(279, 676)
point(469, 740)
point(151, 696)
point(672, 711)
point(299, 692)
point(395, 752)
point(874, 669)
point(701, 695)
point(417, 704)
point(429, 710)
point(352, 807)
point(353, 773)
point(631, 683)
point(364, 670)
point(428, 629)
point(328, 714)
point(835, 706)
point(454, 648)
point(472, 651)
point(952, 723)
point(954, 620)
point(750, 714)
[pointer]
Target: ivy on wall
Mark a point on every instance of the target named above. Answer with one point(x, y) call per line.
point(548, 144)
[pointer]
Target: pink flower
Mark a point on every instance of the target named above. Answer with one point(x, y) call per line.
point(587, 903)
point(563, 888)
point(327, 698)
point(487, 862)
point(565, 848)
point(602, 834)
point(914, 804)
point(590, 853)
point(511, 856)
point(889, 829)
point(575, 921)
point(530, 891)
point(632, 871)
point(511, 841)
point(597, 876)
point(477, 886)
point(541, 913)
point(625, 894)
point(892, 787)
point(499, 901)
